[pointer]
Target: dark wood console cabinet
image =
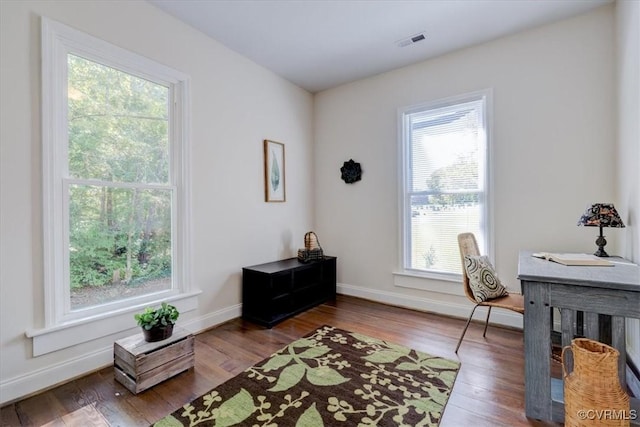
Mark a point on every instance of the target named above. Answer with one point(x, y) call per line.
point(274, 291)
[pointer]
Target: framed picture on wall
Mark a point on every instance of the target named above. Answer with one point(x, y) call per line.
point(274, 179)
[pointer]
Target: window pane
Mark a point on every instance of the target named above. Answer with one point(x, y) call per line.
point(445, 147)
point(436, 222)
point(119, 243)
point(118, 125)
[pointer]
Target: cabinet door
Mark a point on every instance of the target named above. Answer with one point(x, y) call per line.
point(308, 276)
point(280, 284)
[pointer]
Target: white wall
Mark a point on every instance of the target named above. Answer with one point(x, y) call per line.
point(628, 79)
point(553, 147)
point(235, 104)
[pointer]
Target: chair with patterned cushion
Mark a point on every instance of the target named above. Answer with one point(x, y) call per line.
point(483, 288)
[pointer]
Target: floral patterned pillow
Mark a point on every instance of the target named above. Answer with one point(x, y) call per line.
point(483, 279)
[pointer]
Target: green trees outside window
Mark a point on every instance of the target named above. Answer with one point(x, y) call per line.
point(120, 197)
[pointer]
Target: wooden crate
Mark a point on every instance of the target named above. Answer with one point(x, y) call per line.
point(139, 365)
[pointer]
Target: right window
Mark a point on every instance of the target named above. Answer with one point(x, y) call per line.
point(445, 181)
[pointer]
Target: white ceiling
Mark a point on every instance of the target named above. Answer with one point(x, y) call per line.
point(319, 44)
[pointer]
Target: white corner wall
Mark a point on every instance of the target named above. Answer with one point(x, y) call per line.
point(554, 133)
point(235, 105)
point(628, 153)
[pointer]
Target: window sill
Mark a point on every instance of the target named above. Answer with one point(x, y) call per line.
point(442, 283)
point(57, 337)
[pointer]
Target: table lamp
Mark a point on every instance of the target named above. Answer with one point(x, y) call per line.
point(601, 215)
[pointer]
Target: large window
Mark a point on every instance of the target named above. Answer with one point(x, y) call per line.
point(445, 171)
point(114, 156)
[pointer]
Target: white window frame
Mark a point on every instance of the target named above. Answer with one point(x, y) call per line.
point(64, 327)
point(407, 276)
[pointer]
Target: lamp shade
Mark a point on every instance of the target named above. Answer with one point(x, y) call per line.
point(601, 215)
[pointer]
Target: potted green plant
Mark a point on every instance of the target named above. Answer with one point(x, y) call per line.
point(157, 323)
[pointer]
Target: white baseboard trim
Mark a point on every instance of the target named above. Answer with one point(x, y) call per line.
point(41, 379)
point(210, 320)
point(449, 308)
point(49, 376)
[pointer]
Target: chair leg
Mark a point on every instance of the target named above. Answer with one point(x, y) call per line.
point(486, 323)
point(465, 328)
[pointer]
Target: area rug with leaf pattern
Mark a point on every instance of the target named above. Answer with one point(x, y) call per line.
point(331, 377)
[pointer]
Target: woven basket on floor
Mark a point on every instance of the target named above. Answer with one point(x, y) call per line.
point(592, 392)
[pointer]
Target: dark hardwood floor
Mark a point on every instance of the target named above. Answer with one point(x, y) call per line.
point(489, 389)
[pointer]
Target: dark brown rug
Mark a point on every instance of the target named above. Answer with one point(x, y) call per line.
point(331, 377)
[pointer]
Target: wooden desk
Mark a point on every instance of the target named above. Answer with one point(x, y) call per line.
point(602, 293)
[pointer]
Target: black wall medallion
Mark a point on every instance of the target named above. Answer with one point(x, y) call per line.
point(351, 172)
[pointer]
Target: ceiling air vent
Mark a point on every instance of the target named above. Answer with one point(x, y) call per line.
point(411, 40)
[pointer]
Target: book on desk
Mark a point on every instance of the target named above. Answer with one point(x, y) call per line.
point(573, 259)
